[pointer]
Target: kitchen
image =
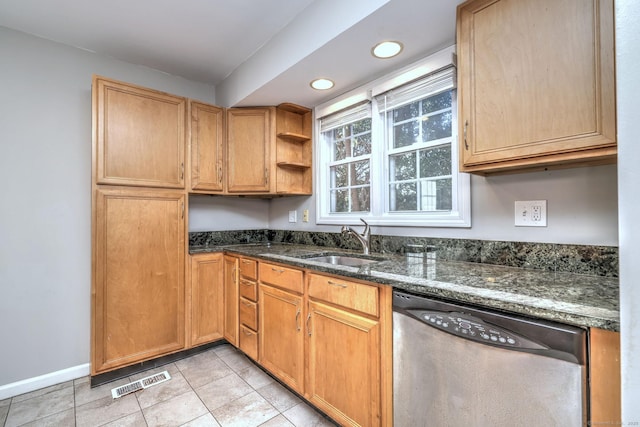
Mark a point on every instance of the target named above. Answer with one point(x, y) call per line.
point(46, 261)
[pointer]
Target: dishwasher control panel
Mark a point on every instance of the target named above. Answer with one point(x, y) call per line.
point(470, 327)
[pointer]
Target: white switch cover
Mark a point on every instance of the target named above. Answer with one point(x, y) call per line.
point(532, 213)
point(305, 215)
point(293, 216)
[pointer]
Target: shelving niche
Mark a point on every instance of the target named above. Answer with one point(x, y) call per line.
point(293, 150)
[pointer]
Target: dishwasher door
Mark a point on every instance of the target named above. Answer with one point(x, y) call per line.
point(444, 380)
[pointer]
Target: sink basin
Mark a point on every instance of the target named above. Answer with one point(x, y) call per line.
point(342, 260)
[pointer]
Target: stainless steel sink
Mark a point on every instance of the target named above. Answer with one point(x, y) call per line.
point(342, 260)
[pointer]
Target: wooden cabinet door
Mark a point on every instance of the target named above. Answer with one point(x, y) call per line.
point(249, 149)
point(206, 147)
point(207, 298)
point(138, 272)
point(231, 299)
point(139, 135)
point(281, 339)
point(344, 373)
point(536, 83)
point(604, 377)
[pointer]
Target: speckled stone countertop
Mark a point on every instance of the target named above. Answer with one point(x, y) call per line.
point(576, 299)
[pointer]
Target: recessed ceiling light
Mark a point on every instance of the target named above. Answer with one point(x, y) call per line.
point(387, 49)
point(322, 84)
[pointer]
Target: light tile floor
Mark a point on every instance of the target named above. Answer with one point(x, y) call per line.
point(218, 387)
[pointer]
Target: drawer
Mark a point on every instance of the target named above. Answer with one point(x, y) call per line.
point(249, 269)
point(249, 342)
point(249, 313)
point(249, 289)
point(356, 296)
point(283, 277)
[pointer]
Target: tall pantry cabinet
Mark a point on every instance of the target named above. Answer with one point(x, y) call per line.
point(138, 224)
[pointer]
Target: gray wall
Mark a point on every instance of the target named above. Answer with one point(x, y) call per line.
point(45, 220)
point(581, 205)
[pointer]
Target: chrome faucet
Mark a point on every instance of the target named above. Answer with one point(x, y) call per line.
point(364, 238)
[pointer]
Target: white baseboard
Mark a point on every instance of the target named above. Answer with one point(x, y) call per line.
point(35, 383)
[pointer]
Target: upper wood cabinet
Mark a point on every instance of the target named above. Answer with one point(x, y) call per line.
point(536, 84)
point(139, 135)
point(249, 149)
point(138, 294)
point(207, 138)
point(269, 150)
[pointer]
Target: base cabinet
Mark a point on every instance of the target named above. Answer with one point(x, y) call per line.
point(207, 298)
point(344, 365)
point(330, 340)
point(281, 335)
point(138, 269)
point(604, 377)
point(231, 299)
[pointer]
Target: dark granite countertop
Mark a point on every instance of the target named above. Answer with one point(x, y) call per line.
point(576, 299)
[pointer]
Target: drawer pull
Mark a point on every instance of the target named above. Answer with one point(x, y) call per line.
point(277, 270)
point(308, 325)
point(247, 332)
point(246, 283)
point(246, 261)
point(298, 320)
point(247, 303)
point(340, 285)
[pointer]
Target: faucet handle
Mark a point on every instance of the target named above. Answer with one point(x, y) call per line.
point(366, 231)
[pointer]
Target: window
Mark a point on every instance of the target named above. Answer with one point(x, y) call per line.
point(388, 153)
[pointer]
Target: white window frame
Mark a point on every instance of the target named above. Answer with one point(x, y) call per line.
point(459, 216)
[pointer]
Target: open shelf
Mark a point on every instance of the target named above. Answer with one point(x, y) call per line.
point(293, 165)
point(296, 137)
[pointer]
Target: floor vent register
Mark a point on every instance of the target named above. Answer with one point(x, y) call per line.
point(140, 384)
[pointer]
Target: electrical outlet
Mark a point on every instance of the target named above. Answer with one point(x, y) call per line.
point(293, 216)
point(532, 213)
point(305, 215)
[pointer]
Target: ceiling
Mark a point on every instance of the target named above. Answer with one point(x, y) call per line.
point(254, 52)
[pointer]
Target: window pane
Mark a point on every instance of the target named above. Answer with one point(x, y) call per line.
point(360, 172)
point(437, 126)
point(361, 126)
point(361, 199)
point(405, 134)
point(435, 195)
point(340, 201)
point(437, 102)
point(403, 197)
point(403, 166)
point(339, 150)
point(362, 145)
point(339, 176)
point(435, 162)
point(406, 112)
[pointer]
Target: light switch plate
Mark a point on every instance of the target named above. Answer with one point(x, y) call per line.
point(532, 213)
point(293, 216)
point(305, 215)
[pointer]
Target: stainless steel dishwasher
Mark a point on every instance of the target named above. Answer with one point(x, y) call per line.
point(457, 366)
